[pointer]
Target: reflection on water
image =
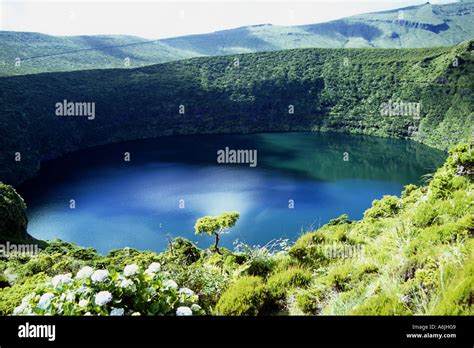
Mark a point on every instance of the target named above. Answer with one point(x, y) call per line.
point(137, 203)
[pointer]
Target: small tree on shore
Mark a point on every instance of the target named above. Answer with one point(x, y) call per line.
point(216, 226)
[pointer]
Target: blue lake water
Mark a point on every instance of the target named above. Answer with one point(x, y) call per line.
point(137, 203)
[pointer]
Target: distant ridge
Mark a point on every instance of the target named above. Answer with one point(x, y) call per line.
point(421, 26)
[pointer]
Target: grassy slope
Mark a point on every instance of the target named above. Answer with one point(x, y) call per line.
point(425, 25)
point(330, 89)
point(417, 258)
point(418, 252)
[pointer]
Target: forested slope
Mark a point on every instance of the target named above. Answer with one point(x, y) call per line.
point(303, 89)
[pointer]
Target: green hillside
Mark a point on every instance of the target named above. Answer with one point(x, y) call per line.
point(410, 27)
point(304, 89)
point(409, 255)
point(416, 26)
point(40, 53)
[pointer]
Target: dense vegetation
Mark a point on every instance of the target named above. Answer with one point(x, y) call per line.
point(303, 89)
point(426, 25)
point(409, 255)
point(13, 219)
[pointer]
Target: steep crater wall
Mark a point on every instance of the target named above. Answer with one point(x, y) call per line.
point(294, 90)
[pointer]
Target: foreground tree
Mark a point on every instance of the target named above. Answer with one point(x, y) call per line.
point(216, 226)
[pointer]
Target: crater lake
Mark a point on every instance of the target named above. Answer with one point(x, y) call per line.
point(142, 193)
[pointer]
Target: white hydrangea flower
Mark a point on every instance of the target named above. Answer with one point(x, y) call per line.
point(170, 283)
point(84, 272)
point(130, 270)
point(21, 309)
point(100, 276)
point(184, 311)
point(186, 291)
point(70, 296)
point(117, 312)
point(45, 300)
point(151, 290)
point(28, 298)
point(154, 267)
point(149, 273)
point(195, 307)
point(126, 284)
point(88, 314)
point(136, 314)
point(83, 303)
point(103, 298)
point(61, 279)
point(82, 289)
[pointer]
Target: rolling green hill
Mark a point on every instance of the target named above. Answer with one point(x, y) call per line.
point(303, 89)
point(416, 26)
point(41, 53)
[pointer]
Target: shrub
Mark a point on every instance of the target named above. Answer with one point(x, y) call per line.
point(183, 251)
point(386, 207)
point(461, 204)
point(10, 297)
point(66, 265)
point(343, 276)
point(85, 254)
point(38, 264)
point(3, 282)
point(215, 259)
point(3, 265)
point(460, 183)
point(455, 172)
point(208, 282)
point(58, 246)
point(425, 215)
point(51, 264)
point(13, 220)
point(123, 253)
point(231, 261)
point(381, 304)
point(343, 219)
point(247, 296)
point(308, 301)
point(449, 232)
point(260, 266)
point(307, 248)
point(131, 292)
point(441, 185)
point(279, 283)
point(127, 256)
point(409, 189)
point(461, 155)
point(260, 261)
point(458, 299)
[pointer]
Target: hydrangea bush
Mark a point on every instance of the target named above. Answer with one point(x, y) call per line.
point(100, 292)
